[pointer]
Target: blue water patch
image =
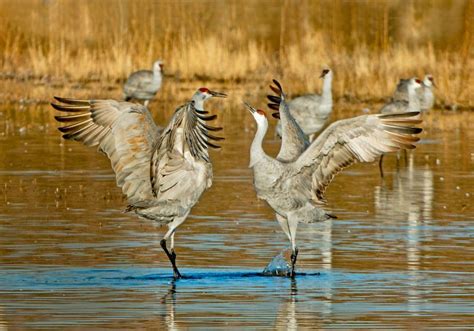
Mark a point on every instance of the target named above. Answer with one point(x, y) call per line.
point(126, 277)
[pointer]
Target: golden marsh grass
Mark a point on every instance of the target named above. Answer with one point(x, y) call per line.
point(369, 44)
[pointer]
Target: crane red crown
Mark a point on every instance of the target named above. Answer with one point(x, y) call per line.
point(204, 89)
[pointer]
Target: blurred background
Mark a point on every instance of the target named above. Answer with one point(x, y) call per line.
point(369, 44)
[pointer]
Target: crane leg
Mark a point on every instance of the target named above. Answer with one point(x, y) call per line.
point(171, 257)
point(381, 165)
point(294, 256)
point(292, 225)
point(172, 226)
point(290, 230)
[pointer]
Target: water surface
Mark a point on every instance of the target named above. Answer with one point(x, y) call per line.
point(400, 253)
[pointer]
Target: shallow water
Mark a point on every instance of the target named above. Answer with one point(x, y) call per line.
point(399, 254)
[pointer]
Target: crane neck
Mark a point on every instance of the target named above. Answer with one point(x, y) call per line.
point(256, 149)
point(413, 101)
point(198, 103)
point(327, 87)
point(157, 74)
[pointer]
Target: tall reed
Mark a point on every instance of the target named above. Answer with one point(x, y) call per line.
point(369, 44)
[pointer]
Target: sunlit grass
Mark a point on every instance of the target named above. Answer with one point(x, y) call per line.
point(369, 45)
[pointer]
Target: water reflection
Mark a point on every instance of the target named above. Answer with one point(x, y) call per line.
point(169, 300)
point(286, 318)
point(3, 322)
point(409, 197)
point(399, 254)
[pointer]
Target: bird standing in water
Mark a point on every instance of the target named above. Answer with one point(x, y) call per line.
point(294, 188)
point(311, 111)
point(143, 85)
point(162, 174)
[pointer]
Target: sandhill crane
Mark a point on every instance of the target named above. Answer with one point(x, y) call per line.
point(142, 85)
point(162, 176)
point(425, 93)
point(311, 111)
point(295, 190)
point(398, 106)
point(428, 98)
point(412, 102)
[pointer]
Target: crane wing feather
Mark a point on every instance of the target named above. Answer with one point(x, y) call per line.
point(359, 139)
point(181, 154)
point(293, 141)
point(124, 131)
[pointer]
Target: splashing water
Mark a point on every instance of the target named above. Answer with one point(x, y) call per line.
point(278, 266)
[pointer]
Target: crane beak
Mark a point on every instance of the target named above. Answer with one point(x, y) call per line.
point(324, 73)
point(218, 94)
point(250, 108)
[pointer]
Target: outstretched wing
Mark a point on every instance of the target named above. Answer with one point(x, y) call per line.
point(293, 140)
point(181, 167)
point(358, 139)
point(124, 131)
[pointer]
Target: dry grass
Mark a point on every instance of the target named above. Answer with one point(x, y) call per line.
point(369, 44)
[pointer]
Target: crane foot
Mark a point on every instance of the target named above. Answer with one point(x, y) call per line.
point(172, 258)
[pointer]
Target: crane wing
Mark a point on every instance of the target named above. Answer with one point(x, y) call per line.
point(181, 156)
point(293, 140)
point(358, 139)
point(124, 131)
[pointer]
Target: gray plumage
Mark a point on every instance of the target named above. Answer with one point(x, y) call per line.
point(144, 84)
point(425, 92)
point(162, 175)
point(295, 190)
point(428, 98)
point(312, 111)
point(293, 140)
point(412, 102)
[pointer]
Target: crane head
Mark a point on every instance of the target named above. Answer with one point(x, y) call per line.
point(158, 65)
point(258, 114)
point(429, 81)
point(204, 93)
point(414, 83)
point(324, 73)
